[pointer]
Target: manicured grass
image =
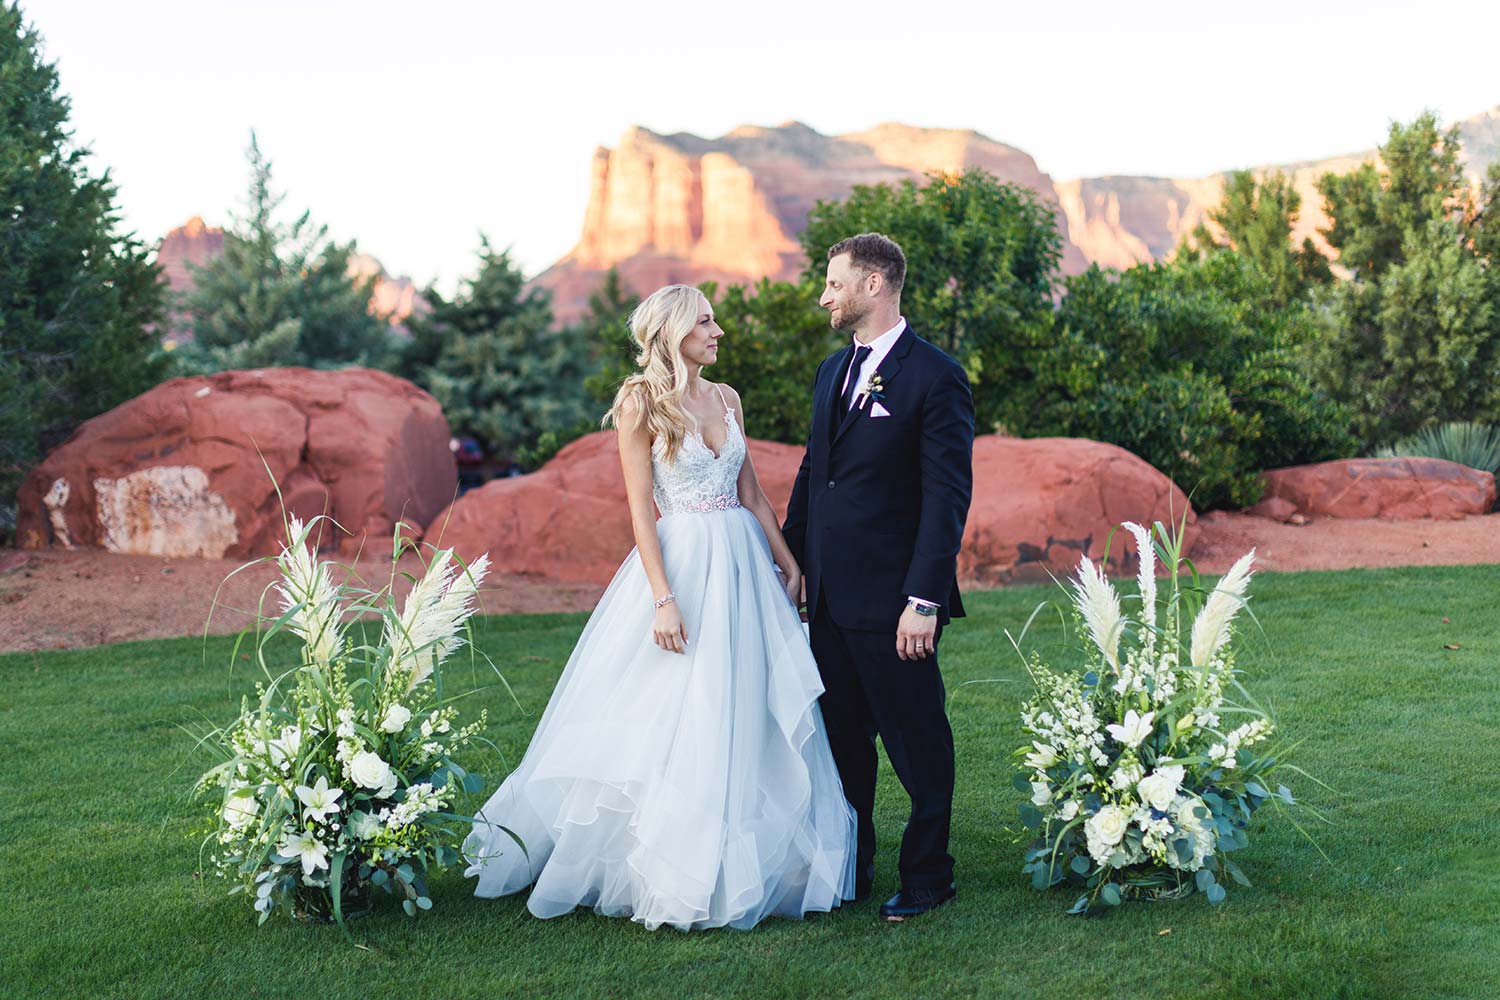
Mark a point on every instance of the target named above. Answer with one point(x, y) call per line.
point(98, 852)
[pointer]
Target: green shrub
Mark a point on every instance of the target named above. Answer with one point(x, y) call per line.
point(1474, 445)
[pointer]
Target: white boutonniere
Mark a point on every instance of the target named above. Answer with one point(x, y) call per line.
point(872, 390)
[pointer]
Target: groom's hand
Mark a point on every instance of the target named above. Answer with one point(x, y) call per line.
point(916, 635)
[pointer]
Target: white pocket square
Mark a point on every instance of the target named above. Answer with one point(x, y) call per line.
point(876, 410)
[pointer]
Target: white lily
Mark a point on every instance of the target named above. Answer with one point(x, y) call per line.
point(319, 800)
point(1211, 629)
point(241, 807)
point(1135, 729)
point(313, 852)
point(1099, 606)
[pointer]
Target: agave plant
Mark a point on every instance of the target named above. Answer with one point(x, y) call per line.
point(1471, 444)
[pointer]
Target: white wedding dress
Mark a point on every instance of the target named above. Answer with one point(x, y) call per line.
point(695, 790)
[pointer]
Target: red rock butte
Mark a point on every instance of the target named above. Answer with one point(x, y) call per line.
point(670, 208)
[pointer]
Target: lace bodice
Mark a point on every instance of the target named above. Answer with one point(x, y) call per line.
point(696, 481)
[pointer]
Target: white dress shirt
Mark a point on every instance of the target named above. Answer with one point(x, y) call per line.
point(879, 348)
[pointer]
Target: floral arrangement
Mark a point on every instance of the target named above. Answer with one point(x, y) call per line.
point(340, 776)
point(1145, 767)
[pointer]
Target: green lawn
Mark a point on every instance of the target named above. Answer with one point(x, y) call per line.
point(99, 898)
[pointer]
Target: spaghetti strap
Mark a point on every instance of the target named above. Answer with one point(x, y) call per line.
point(728, 413)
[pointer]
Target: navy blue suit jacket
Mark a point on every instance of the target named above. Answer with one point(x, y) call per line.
point(878, 508)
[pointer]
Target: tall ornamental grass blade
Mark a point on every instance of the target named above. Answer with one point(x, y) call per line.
point(1211, 629)
point(1099, 606)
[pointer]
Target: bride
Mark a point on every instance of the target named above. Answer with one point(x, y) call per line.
point(680, 774)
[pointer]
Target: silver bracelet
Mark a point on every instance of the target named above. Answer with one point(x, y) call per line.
point(665, 601)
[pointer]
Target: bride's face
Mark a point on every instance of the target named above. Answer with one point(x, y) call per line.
point(701, 345)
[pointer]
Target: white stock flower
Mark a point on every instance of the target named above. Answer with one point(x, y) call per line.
point(435, 610)
point(313, 852)
point(369, 770)
point(1125, 777)
point(1103, 831)
point(319, 800)
point(1041, 793)
point(396, 718)
point(1160, 787)
point(241, 807)
point(1134, 730)
point(1099, 606)
point(308, 587)
point(1211, 629)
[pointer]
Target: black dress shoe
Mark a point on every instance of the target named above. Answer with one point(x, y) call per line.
point(914, 902)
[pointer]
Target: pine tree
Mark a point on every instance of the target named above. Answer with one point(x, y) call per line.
point(78, 297)
point(1256, 219)
point(280, 294)
point(492, 359)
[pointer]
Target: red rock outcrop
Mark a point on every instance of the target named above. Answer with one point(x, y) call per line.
point(182, 470)
point(1038, 505)
point(1041, 503)
point(1396, 488)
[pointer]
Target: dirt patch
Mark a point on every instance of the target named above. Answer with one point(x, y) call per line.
point(55, 599)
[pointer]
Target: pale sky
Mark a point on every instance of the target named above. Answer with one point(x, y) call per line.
point(415, 126)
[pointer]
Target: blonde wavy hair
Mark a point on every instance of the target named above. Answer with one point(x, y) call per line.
point(659, 326)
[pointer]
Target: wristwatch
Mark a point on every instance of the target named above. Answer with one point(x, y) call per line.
point(922, 608)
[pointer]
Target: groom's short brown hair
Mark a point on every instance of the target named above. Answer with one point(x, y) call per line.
point(874, 252)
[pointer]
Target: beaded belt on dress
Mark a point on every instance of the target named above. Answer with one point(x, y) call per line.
point(721, 502)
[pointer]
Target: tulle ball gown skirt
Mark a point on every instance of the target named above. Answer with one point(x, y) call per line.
point(690, 790)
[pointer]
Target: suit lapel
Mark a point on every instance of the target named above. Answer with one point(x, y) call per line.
point(888, 368)
point(826, 417)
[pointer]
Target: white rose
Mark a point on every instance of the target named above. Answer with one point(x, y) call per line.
point(370, 771)
point(396, 718)
point(1068, 811)
point(241, 807)
point(363, 826)
point(1041, 793)
point(1159, 787)
point(1125, 777)
point(1104, 830)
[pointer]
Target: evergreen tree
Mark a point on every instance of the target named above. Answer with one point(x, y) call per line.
point(78, 298)
point(492, 359)
point(1257, 219)
point(1413, 338)
point(280, 294)
point(605, 328)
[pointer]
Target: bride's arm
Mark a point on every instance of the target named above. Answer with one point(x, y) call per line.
point(668, 630)
point(754, 499)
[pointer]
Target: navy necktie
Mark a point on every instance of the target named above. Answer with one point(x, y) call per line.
point(860, 354)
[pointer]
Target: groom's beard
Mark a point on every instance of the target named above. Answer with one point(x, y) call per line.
point(849, 315)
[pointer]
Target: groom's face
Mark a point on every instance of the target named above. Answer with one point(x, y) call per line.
point(846, 294)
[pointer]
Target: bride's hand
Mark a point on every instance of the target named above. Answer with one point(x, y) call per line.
point(668, 631)
point(793, 583)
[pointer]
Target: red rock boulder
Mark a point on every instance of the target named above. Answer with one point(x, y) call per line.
point(1397, 488)
point(1040, 503)
point(1037, 506)
point(569, 520)
point(192, 467)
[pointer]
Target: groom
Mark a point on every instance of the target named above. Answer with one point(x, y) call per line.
point(875, 520)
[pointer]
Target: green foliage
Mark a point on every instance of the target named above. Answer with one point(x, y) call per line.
point(982, 260)
point(1192, 367)
point(774, 338)
point(280, 294)
point(1256, 219)
point(1474, 445)
point(492, 359)
point(605, 328)
point(1413, 339)
point(78, 298)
